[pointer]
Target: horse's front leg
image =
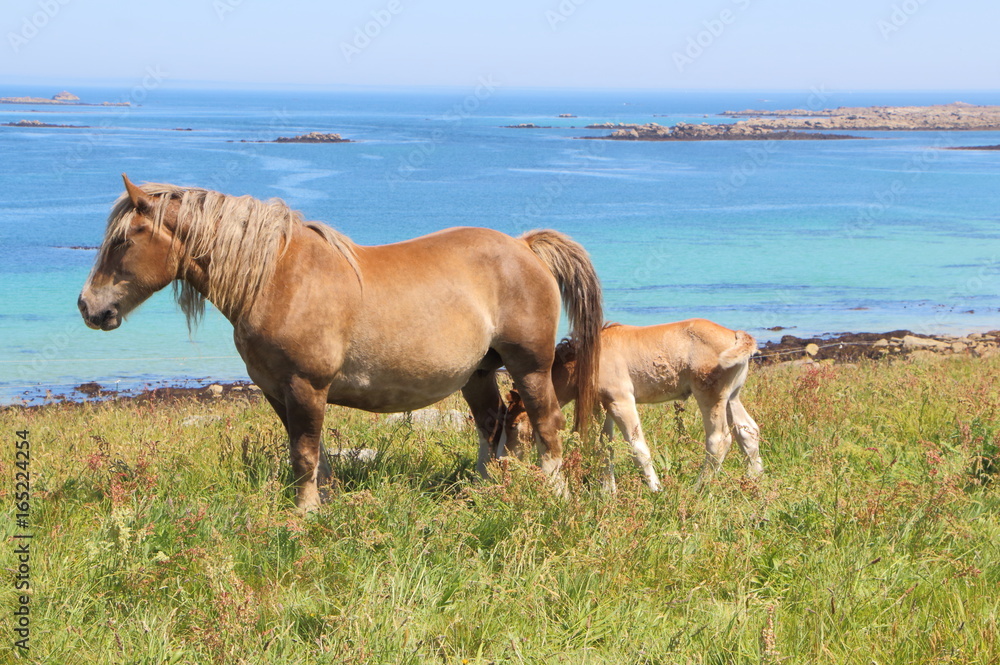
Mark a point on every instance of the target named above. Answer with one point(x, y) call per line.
point(325, 473)
point(305, 407)
point(626, 416)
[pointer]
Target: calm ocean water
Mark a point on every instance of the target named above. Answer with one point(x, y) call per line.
point(816, 236)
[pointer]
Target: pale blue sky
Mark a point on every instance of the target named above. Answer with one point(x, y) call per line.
point(719, 44)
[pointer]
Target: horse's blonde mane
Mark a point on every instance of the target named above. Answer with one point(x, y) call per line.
point(241, 237)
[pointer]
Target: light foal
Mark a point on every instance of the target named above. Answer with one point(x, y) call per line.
point(319, 319)
point(652, 364)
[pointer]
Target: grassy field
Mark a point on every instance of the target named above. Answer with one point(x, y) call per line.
point(874, 536)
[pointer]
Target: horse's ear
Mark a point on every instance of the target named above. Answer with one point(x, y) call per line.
point(513, 397)
point(138, 197)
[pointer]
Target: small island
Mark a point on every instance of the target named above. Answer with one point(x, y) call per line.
point(943, 117)
point(683, 131)
point(311, 137)
point(39, 123)
point(526, 125)
point(63, 98)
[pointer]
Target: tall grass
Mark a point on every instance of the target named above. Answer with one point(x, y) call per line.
point(874, 536)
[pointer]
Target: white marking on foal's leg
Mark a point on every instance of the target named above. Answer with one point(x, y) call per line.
point(484, 455)
point(608, 484)
point(502, 444)
point(747, 436)
point(627, 418)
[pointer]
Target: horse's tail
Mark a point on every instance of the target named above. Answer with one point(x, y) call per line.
point(740, 352)
point(581, 296)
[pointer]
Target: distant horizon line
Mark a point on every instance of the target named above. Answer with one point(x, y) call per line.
point(198, 84)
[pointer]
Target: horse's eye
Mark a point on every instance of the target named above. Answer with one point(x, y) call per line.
point(122, 243)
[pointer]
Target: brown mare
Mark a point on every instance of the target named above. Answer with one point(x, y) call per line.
point(318, 319)
point(652, 364)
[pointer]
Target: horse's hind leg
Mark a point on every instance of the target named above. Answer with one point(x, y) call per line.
point(718, 437)
point(546, 418)
point(488, 410)
point(747, 435)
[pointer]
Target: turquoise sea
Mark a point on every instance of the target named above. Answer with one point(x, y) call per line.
point(818, 237)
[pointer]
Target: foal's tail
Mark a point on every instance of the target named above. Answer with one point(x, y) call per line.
point(740, 352)
point(581, 296)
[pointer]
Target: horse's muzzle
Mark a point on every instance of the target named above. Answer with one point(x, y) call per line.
point(106, 318)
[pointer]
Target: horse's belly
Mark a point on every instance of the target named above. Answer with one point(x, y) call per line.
point(400, 386)
point(391, 395)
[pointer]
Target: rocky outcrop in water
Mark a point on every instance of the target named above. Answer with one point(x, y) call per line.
point(39, 123)
point(312, 137)
point(63, 99)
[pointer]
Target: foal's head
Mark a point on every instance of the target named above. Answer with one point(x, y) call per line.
point(517, 428)
point(137, 258)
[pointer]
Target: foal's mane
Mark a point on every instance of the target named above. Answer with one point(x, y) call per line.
point(241, 237)
point(566, 348)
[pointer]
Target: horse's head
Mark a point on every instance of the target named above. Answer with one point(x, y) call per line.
point(137, 258)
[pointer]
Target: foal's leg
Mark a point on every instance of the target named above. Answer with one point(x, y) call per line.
point(718, 438)
point(623, 410)
point(305, 408)
point(325, 473)
point(747, 435)
point(609, 483)
point(488, 410)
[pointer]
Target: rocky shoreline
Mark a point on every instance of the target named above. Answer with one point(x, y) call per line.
point(974, 147)
point(944, 117)
point(894, 345)
point(682, 131)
